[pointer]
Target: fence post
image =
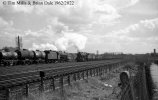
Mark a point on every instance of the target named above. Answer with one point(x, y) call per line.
point(94, 72)
point(62, 87)
point(132, 90)
point(78, 74)
point(107, 70)
point(8, 94)
point(112, 66)
point(27, 90)
point(42, 75)
point(68, 79)
point(115, 66)
point(87, 73)
point(145, 91)
point(53, 84)
point(91, 72)
point(97, 71)
point(101, 71)
point(74, 76)
point(61, 82)
point(83, 74)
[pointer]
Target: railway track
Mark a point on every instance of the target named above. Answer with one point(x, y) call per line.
point(24, 77)
point(28, 68)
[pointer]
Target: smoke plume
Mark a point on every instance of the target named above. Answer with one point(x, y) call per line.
point(46, 46)
point(71, 40)
point(67, 40)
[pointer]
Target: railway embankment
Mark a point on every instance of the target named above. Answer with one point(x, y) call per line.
point(99, 87)
point(63, 81)
point(142, 84)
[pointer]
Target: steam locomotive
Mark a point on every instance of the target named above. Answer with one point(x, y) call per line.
point(27, 57)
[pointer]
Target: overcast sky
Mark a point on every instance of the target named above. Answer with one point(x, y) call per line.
point(129, 26)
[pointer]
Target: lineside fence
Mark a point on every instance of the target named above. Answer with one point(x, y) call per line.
point(58, 80)
point(136, 87)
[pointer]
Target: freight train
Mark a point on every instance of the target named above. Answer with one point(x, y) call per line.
point(27, 57)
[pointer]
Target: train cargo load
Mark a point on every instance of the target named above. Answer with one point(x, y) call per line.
point(39, 56)
point(25, 56)
point(8, 58)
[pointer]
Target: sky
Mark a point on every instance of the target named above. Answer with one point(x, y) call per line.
point(128, 26)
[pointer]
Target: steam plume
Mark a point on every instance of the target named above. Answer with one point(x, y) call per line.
point(46, 46)
point(71, 40)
